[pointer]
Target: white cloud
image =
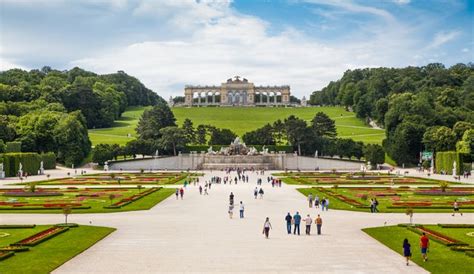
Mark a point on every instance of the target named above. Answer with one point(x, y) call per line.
point(465, 50)
point(443, 37)
point(402, 2)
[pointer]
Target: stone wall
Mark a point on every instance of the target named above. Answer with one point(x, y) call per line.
point(270, 161)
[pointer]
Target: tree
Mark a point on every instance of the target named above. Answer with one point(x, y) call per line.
point(72, 139)
point(172, 138)
point(153, 120)
point(143, 147)
point(374, 154)
point(260, 136)
point(278, 131)
point(189, 130)
point(296, 130)
point(466, 145)
point(222, 136)
point(323, 125)
point(460, 127)
point(404, 145)
point(102, 153)
point(439, 138)
point(201, 133)
point(67, 210)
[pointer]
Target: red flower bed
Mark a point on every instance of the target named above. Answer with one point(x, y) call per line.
point(441, 237)
point(42, 236)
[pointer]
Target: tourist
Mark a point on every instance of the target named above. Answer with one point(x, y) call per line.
point(323, 204)
point(406, 250)
point(296, 221)
point(185, 183)
point(231, 198)
point(205, 191)
point(456, 208)
point(319, 224)
point(316, 201)
point(372, 205)
point(376, 204)
point(424, 244)
point(241, 210)
point(261, 193)
point(310, 200)
point(181, 193)
point(177, 193)
point(200, 190)
point(288, 220)
point(308, 222)
point(231, 211)
point(266, 227)
point(255, 192)
point(327, 203)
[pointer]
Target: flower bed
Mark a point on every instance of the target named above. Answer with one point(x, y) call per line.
point(15, 248)
point(42, 236)
point(445, 193)
point(31, 194)
point(342, 198)
point(437, 236)
point(133, 198)
point(6, 254)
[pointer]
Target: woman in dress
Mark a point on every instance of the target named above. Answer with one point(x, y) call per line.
point(266, 227)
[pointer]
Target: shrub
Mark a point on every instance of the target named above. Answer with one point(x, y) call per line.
point(49, 160)
point(30, 162)
point(13, 147)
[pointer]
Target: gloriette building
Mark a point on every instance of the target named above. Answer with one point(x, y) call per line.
point(236, 92)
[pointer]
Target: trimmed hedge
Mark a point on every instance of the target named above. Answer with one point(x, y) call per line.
point(17, 226)
point(29, 160)
point(6, 254)
point(456, 225)
point(445, 160)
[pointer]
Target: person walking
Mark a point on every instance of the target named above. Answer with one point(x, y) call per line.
point(177, 193)
point(406, 250)
point(316, 201)
point(266, 227)
point(231, 198)
point(376, 204)
point(319, 224)
point(371, 205)
point(297, 221)
point(261, 193)
point(255, 192)
point(308, 222)
point(205, 191)
point(323, 204)
point(310, 200)
point(231, 211)
point(181, 193)
point(424, 244)
point(200, 190)
point(327, 203)
point(456, 208)
point(288, 220)
point(242, 207)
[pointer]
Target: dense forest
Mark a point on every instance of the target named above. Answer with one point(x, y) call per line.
point(408, 102)
point(51, 110)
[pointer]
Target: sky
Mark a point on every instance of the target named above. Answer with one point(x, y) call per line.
point(167, 44)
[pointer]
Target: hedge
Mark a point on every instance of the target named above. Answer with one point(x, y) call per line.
point(29, 160)
point(445, 160)
point(16, 226)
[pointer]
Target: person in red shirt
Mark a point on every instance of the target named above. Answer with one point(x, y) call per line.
point(424, 244)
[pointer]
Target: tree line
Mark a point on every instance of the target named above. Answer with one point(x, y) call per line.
point(157, 130)
point(51, 110)
point(421, 108)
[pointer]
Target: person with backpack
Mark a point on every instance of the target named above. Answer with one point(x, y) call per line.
point(319, 224)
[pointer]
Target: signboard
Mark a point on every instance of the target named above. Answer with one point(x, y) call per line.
point(426, 155)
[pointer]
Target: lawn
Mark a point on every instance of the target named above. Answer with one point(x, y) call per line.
point(240, 120)
point(394, 200)
point(441, 259)
point(93, 200)
point(50, 254)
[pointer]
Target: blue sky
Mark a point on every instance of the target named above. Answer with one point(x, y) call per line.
point(170, 43)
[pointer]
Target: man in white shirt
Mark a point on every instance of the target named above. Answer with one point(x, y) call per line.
point(308, 222)
point(241, 210)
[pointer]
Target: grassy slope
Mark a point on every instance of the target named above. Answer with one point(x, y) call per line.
point(144, 203)
point(440, 258)
point(241, 120)
point(52, 253)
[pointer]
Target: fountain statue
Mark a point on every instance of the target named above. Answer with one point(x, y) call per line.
point(20, 170)
point(106, 166)
point(2, 173)
point(41, 169)
point(454, 168)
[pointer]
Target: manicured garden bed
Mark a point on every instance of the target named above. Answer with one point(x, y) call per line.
point(87, 200)
point(161, 178)
point(444, 255)
point(52, 252)
point(391, 199)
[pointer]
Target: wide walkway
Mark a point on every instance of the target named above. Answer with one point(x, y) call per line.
point(196, 235)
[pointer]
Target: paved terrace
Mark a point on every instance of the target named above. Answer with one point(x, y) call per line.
point(196, 235)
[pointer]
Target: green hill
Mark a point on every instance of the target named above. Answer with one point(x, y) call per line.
point(240, 120)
